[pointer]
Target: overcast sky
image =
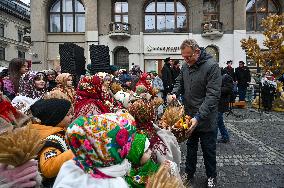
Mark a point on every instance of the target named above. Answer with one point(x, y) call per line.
point(26, 1)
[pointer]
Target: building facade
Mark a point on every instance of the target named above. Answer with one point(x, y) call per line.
point(145, 32)
point(14, 25)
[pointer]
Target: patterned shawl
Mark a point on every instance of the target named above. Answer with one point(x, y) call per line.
point(27, 85)
point(99, 141)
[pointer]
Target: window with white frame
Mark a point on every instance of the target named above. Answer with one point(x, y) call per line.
point(165, 16)
point(67, 16)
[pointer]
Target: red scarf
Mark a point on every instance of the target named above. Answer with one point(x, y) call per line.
point(143, 81)
point(6, 110)
point(89, 92)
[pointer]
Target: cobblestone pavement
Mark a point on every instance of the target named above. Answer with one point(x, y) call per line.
point(255, 156)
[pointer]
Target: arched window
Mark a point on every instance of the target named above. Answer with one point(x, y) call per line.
point(121, 57)
point(256, 10)
point(211, 10)
point(165, 16)
point(120, 11)
point(213, 50)
point(67, 16)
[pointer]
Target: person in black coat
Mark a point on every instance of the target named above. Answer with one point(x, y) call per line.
point(176, 69)
point(229, 69)
point(242, 77)
point(167, 77)
point(223, 106)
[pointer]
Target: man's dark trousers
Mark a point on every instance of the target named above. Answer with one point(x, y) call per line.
point(208, 146)
point(242, 92)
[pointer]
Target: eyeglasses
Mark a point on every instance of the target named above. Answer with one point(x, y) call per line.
point(189, 57)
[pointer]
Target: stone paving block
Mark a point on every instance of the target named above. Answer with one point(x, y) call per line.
point(254, 158)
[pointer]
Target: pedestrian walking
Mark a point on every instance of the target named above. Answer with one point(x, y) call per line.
point(223, 106)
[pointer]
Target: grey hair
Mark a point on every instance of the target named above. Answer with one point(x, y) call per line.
point(189, 43)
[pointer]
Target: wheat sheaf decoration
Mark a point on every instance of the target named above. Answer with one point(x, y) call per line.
point(171, 115)
point(162, 179)
point(19, 146)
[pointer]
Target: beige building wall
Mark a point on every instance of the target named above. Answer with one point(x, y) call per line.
point(10, 40)
point(46, 44)
point(98, 16)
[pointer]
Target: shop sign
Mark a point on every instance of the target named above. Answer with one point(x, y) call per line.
point(163, 48)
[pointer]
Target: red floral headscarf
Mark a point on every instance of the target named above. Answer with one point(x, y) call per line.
point(143, 82)
point(89, 97)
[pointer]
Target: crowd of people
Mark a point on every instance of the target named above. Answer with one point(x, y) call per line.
point(90, 139)
point(104, 130)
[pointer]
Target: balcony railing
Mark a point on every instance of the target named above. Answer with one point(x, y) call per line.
point(119, 30)
point(212, 29)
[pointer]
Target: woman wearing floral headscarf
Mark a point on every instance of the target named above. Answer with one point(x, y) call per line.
point(89, 97)
point(107, 95)
point(32, 87)
point(145, 80)
point(100, 144)
point(64, 87)
point(163, 143)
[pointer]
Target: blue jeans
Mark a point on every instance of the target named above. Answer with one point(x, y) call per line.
point(223, 130)
point(242, 92)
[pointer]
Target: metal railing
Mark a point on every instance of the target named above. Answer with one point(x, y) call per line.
point(119, 27)
point(210, 26)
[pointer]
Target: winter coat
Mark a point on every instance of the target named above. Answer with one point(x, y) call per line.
point(242, 75)
point(226, 92)
point(230, 72)
point(201, 86)
point(176, 72)
point(167, 77)
point(54, 153)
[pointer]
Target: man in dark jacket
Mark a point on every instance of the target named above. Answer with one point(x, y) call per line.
point(242, 77)
point(200, 83)
point(167, 77)
point(223, 106)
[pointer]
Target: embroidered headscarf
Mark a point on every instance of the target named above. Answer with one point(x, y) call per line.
point(143, 82)
point(62, 86)
point(27, 85)
point(99, 141)
point(143, 112)
point(89, 97)
point(107, 95)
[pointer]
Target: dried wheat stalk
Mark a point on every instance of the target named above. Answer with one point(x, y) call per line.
point(115, 87)
point(19, 146)
point(171, 115)
point(162, 179)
